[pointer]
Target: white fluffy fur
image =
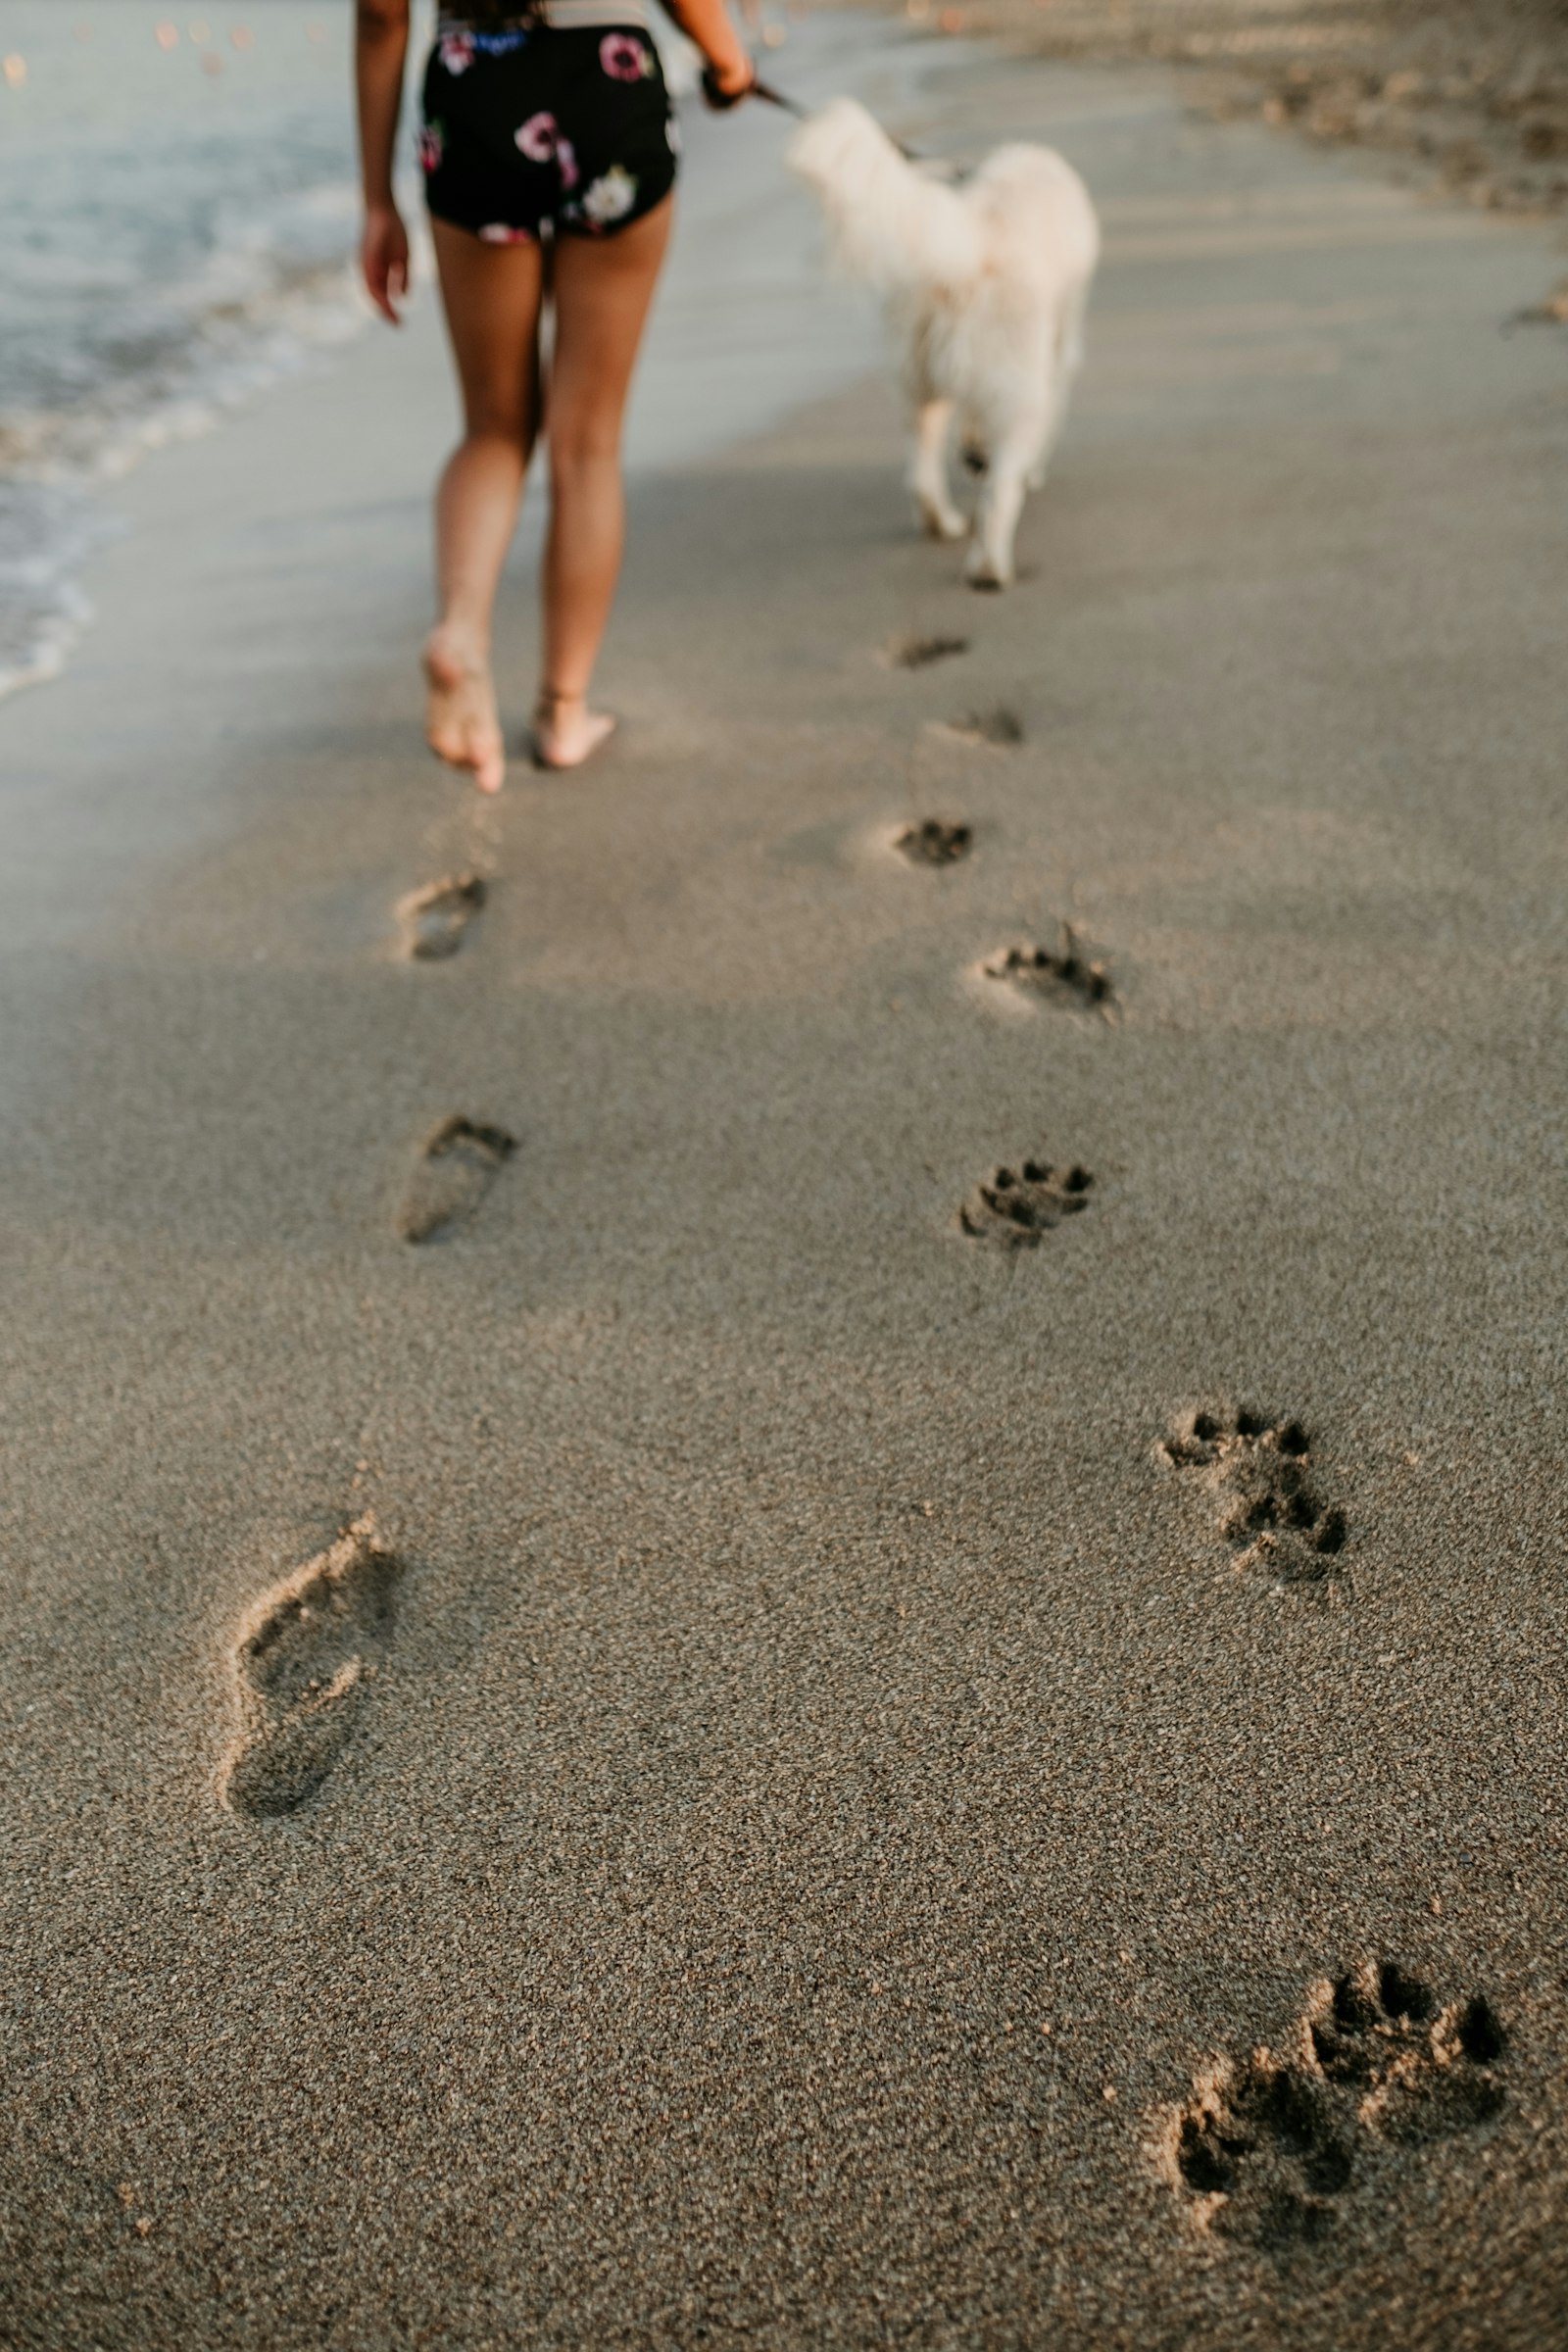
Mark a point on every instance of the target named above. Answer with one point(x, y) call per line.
point(983, 286)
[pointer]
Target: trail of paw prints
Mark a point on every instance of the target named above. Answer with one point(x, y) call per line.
point(919, 653)
point(434, 920)
point(934, 842)
point(1259, 1473)
point(1063, 972)
point(1013, 1209)
point(1269, 2147)
point(306, 1665)
point(457, 1164)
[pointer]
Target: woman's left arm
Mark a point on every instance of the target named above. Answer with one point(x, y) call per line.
point(380, 52)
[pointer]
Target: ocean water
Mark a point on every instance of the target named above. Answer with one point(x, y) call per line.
point(179, 210)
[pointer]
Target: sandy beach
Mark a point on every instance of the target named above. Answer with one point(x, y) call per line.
point(730, 1745)
point(1470, 96)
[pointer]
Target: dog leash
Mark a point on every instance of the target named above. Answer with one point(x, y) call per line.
point(724, 99)
point(765, 90)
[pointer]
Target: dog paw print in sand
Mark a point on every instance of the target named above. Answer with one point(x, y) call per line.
point(434, 920)
point(455, 1167)
point(1259, 1473)
point(1421, 2071)
point(919, 653)
point(307, 1665)
point(1062, 971)
point(1262, 2146)
point(1269, 2147)
point(934, 842)
point(1015, 1207)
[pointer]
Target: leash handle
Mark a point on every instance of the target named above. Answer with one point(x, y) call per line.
point(723, 99)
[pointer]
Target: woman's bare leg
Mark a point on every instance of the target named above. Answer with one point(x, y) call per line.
point(603, 291)
point(492, 295)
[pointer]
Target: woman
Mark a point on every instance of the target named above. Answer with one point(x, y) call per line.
point(549, 151)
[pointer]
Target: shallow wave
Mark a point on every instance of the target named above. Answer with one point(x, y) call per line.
point(50, 459)
point(170, 250)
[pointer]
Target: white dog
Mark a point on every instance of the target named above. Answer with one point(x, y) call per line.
point(983, 286)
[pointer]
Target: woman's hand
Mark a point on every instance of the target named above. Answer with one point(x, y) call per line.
point(384, 259)
point(725, 84)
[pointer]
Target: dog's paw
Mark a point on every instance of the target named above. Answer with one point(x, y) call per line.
point(943, 522)
point(982, 572)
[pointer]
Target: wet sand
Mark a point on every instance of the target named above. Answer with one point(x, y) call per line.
point(702, 1755)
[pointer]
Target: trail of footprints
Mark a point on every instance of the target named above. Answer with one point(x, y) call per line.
point(1269, 2147)
point(460, 1158)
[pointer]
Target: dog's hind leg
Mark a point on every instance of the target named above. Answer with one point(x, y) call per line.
point(928, 471)
point(996, 519)
point(1066, 359)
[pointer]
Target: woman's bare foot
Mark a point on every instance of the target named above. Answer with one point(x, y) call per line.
point(566, 732)
point(462, 724)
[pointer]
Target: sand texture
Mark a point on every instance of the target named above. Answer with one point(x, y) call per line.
point(633, 1716)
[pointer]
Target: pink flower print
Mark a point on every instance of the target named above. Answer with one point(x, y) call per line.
point(542, 141)
point(456, 52)
point(624, 57)
point(431, 147)
point(538, 136)
point(498, 233)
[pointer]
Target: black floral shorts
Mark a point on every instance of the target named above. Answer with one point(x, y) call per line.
point(567, 128)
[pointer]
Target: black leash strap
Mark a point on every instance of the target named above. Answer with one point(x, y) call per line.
point(761, 89)
point(724, 99)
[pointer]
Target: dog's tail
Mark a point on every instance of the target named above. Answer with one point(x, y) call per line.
point(887, 223)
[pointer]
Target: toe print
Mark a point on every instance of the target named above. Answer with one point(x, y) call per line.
point(306, 1667)
point(456, 1167)
point(934, 842)
point(1014, 1207)
point(1063, 972)
point(1269, 2149)
point(1260, 1475)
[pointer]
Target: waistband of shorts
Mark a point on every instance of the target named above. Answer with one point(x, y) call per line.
point(555, 16)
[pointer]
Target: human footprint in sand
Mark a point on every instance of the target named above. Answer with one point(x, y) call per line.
point(549, 152)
